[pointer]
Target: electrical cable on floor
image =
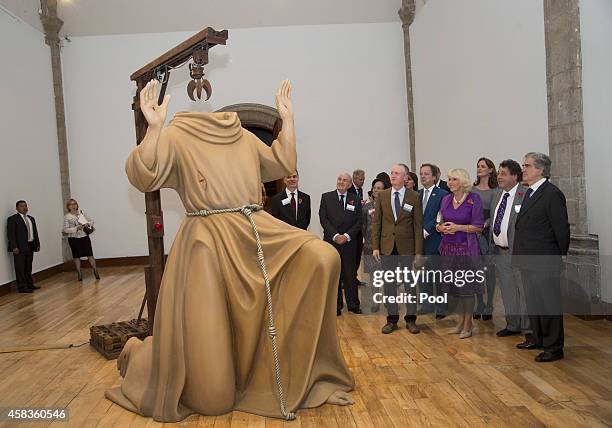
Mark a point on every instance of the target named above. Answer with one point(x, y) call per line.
point(29, 348)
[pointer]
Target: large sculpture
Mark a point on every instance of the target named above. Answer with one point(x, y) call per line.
point(220, 342)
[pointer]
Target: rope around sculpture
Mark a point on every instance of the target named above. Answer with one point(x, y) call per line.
point(247, 211)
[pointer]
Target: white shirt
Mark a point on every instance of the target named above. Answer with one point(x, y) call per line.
point(430, 191)
point(295, 194)
point(28, 223)
point(71, 223)
point(502, 239)
point(345, 234)
point(535, 186)
point(401, 191)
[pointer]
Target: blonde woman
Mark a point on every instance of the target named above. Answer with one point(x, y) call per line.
point(76, 222)
point(459, 221)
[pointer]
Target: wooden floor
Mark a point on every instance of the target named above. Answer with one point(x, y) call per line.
point(430, 379)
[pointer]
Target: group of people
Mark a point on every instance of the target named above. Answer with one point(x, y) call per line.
point(23, 242)
point(510, 223)
point(508, 227)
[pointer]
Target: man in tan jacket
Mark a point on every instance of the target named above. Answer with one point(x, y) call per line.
point(397, 235)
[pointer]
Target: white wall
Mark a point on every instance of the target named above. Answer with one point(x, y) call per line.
point(29, 166)
point(596, 34)
point(479, 76)
point(349, 98)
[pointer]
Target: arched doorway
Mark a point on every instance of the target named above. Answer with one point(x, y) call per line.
point(265, 123)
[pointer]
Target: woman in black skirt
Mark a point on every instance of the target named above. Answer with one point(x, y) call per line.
point(76, 222)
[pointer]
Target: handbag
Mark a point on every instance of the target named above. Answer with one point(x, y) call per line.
point(87, 229)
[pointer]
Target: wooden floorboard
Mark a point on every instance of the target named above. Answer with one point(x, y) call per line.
point(403, 380)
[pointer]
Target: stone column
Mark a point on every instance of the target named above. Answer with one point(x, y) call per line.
point(406, 14)
point(566, 146)
point(52, 25)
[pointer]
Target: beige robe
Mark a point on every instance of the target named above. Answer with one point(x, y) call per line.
point(210, 352)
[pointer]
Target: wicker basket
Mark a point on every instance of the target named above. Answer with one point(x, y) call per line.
point(110, 339)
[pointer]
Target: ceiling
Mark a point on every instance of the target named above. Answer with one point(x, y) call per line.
point(99, 17)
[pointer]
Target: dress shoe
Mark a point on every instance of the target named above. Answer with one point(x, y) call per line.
point(338, 312)
point(33, 287)
point(487, 317)
point(476, 316)
point(96, 274)
point(528, 344)
point(440, 316)
point(389, 327)
point(505, 332)
point(25, 290)
point(547, 357)
point(465, 334)
point(356, 311)
point(412, 327)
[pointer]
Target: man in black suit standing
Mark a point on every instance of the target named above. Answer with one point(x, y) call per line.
point(541, 238)
point(439, 182)
point(292, 205)
point(340, 216)
point(23, 242)
point(357, 189)
point(357, 184)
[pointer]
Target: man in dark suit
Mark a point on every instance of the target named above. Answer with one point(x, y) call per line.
point(357, 184)
point(357, 189)
point(397, 235)
point(431, 198)
point(23, 242)
point(541, 238)
point(439, 182)
point(505, 207)
point(340, 216)
point(292, 205)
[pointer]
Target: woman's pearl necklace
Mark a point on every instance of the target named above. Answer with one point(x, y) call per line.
point(462, 199)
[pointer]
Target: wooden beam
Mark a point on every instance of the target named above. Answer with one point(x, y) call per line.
point(182, 52)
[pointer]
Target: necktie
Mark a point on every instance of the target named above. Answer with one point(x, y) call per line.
point(360, 193)
point(425, 198)
point(398, 206)
point(501, 210)
point(27, 223)
point(342, 202)
point(293, 205)
point(528, 193)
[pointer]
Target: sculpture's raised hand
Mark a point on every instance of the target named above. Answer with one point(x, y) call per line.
point(154, 114)
point(283, 101)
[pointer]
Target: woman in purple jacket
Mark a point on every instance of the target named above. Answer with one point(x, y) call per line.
point(459, 221)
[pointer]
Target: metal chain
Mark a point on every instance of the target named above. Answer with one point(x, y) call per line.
point(247, 211)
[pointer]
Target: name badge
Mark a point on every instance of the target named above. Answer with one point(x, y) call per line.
point(517, 209)
point(350, 207)
point(371, 211)
point(286, 201)
point(408, 208)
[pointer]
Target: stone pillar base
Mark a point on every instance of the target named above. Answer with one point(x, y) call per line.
point(581, 282)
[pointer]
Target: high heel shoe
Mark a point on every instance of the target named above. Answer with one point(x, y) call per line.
point(465, 334)
point(96, 274)
point(79, 276)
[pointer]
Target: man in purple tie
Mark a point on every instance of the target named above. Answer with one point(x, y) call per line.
point(506, 205)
